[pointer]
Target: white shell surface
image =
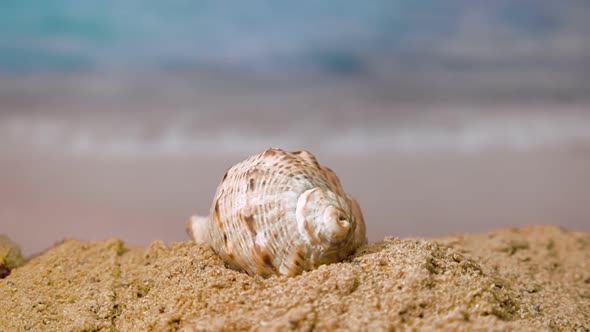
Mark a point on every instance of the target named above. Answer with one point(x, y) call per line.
point(280, 213)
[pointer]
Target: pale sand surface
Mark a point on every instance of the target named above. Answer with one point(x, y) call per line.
point(529, 279)
point(48, 196)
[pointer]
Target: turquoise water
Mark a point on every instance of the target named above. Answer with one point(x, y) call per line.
point(339, 37)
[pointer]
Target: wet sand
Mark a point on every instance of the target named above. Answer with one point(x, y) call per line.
point(50, 196)
point(530, 279)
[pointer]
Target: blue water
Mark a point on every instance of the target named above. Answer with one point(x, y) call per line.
point(338, 37)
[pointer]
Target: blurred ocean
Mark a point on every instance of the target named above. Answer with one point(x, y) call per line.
point(118, 118)
point(297, 38)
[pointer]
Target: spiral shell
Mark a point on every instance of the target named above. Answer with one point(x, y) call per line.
point(280, 213)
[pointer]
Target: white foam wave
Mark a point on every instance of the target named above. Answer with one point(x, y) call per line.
point(513, 132)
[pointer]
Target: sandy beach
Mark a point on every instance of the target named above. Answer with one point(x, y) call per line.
point(519, 279)
point(135, 171)
point(461, 128)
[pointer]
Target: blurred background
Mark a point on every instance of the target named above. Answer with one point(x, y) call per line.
point(119, 118)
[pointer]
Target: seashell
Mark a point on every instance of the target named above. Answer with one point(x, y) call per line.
point(280, 213)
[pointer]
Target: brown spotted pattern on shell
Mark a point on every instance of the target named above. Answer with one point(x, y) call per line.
point(280, 213)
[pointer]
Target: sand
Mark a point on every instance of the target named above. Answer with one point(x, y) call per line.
point(529, 279)
point(10, 256)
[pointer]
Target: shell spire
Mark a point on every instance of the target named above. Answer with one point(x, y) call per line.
point(280, 213)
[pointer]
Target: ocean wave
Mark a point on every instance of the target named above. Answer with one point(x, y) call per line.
point(471, 133)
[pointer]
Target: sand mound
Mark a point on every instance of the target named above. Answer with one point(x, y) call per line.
point(10, 256)
point(531, 279)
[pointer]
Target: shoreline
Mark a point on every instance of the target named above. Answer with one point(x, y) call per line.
point(48, 196)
